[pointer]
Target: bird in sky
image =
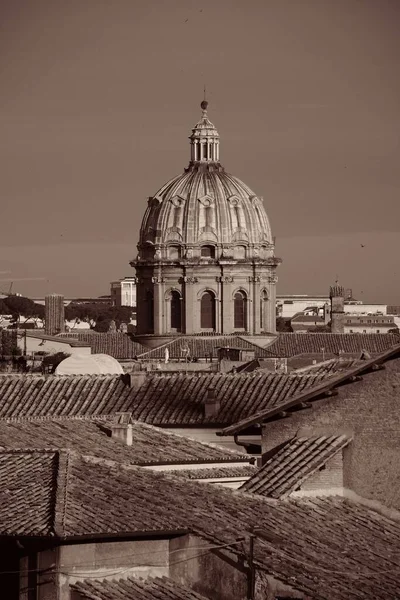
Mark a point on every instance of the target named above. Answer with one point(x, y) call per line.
point(362, 245)
point(186, 20)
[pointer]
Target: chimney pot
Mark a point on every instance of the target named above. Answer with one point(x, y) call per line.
point(122, 432)
point(212, 404)
point(121, 428)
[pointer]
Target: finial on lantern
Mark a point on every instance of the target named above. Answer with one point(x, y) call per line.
point(204, 103)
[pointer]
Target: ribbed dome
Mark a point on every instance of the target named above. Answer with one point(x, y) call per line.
point(206, 204)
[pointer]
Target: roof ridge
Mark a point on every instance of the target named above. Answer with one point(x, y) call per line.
point(61, 492)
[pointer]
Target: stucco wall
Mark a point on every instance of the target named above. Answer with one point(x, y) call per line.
point(370, 409)
point(205, 572)
point(117, 560)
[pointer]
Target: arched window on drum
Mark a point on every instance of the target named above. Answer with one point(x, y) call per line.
point(240, 311)
point(207, 311)
point(176, 311)
point(264, 310)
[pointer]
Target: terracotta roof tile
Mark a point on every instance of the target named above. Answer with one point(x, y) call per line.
point(27, 485)
point(150, 445)
point(293, 464)
point(118, 345)
point(329, 367)
point(327, 548)
point(216, 472)
point(327, 384)
point(292, 344)
point(170, 400)
point(157, 588)
point(202, 346)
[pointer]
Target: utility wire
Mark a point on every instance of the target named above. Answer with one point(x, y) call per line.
point(125, 556)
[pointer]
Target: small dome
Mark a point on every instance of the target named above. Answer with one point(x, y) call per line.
point(91, 364)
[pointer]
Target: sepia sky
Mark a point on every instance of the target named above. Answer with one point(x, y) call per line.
point(98, 98)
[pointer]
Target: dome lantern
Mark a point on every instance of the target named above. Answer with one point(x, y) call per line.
point(204, 141)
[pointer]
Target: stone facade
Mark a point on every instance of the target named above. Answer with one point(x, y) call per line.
point(205, 260)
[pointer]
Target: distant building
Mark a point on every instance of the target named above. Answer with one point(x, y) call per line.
point(287, 305)
point(369, 323)
point(55, 317)
point(123, 292)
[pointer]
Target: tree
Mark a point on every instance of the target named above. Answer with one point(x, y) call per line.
point(19, 306)
point(395, 330)
point(283, 325)
point(98, 316)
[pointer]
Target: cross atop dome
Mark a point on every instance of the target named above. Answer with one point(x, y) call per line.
point(204, 141)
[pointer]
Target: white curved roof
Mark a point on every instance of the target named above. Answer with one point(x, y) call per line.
point(92, 364)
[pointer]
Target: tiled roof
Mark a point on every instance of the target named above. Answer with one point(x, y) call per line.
point(323, 388)
point(329, 367)
point(216, 472)
point(118, 345)
point(150, 445)
point(171, 400)
point(327, 548)
point(292, 344)
point(74, 343)
point(302, 318)
point(292, 464)
point(28, 481)
point(202, 346)
point(157, 588)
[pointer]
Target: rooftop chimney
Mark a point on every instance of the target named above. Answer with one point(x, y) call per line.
point(212, 403)
point(121, 428)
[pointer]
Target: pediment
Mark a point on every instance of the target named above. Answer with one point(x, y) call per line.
point(234, 200)
point(177, 201)
point(206, 200)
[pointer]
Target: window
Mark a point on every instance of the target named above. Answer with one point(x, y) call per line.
point(351, 331)
point(364, 331)
point(378, 331)
point(207, 311)
point(174, 252)
point(208, 252)
point(240, 311)
point(176, 311)
point(263, 311)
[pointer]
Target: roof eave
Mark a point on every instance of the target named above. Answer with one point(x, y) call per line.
point(324, 388)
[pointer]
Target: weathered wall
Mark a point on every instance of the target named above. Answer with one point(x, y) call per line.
point(205, 572)
point(371, 410)
point(120, 559)
point(326, 481)
point(209, 435)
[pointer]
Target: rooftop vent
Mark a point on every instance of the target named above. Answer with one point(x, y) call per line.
point(121, 428)
point(212, 404)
